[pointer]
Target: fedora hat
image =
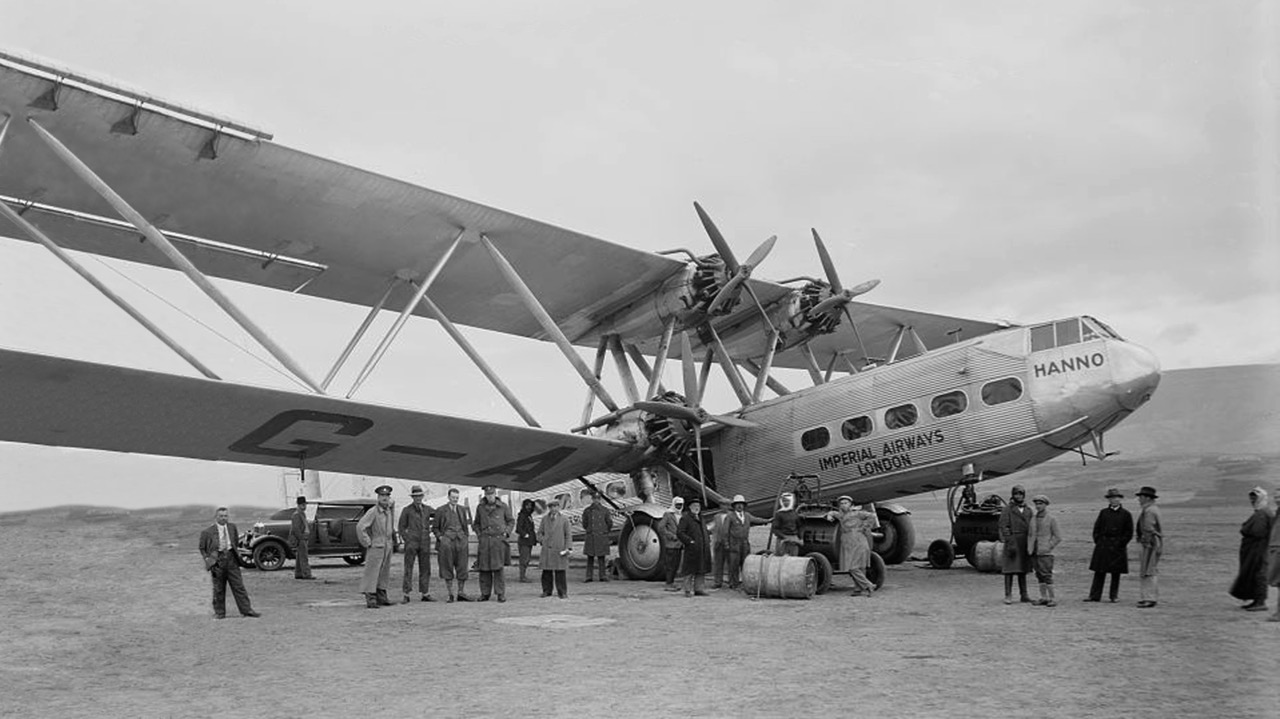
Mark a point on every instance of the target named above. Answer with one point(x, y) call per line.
point(1148, 492)
point(1113, 492)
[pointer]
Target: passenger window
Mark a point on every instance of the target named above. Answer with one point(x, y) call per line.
point(1041, 338)
point(945, 405)
point(616, 490)
point(1068, 332)
point(855, 428)
point(340, 511)
point(900, 416)
point(566, 500)
point(816, 438)
point(1001, 391)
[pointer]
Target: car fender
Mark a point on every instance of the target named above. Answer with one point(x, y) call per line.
point(256, 541)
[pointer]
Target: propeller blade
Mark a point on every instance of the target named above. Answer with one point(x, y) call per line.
point(717, 239)
point(836, 301)
point(827, 265)
point(730, 421)
point(863, 288)
point(761, 252)
point(726, 293)
point(690, 370)
point(674, 411)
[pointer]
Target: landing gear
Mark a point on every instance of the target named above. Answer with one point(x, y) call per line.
point(640, 550)
point(897, 536)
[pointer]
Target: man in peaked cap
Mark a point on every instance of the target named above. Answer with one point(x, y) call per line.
point(1112, 532)
point(1151, 537)
point(415, 532)
point(493, 525)
point(300, 539)
point(374, 532)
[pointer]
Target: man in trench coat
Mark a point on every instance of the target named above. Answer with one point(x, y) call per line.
point(597, 523)
point(493, 525)
point(557, 540)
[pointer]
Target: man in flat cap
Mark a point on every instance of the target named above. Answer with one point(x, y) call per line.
point(415, 532)
point(1112, 532)
point(452, 526)
point(1042, 537)
point(300, 539)
point(493, 525)
point(374, 532)
point(1151, 537)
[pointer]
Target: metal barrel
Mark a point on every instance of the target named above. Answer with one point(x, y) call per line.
point(987, 556)
point(778, 576)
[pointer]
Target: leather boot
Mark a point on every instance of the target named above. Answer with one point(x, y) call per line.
point(371, 601)
point(1052, 602)
point(603, 576)
point(1008, 589)
point(382, 598)
point(1042, 600)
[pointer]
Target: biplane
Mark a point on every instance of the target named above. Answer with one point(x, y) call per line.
point(899, 401)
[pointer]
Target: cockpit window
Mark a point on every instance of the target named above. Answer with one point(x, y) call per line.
point(1068, 331)
point(1042, 338)
point(1100, 327)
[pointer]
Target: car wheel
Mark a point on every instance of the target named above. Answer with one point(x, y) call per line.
point(354, 560)
point(269, 556)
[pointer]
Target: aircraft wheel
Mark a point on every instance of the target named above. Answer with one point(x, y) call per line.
point(354, 560)
point(876, 571)
point(822, 565)
point(941, 555)
point(898, 538)
point(269, 556)
point(640, 550)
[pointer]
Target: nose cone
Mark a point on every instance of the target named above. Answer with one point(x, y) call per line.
point(1135, 372)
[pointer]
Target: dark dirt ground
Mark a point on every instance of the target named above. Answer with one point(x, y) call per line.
point(107, 614)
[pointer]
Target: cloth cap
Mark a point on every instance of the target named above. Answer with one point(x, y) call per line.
point(1147, 492)
point(1039, 498)
point(416, 491)
point(694, 501)
point(383, 490)
point(1113, 492)
point(739, 499)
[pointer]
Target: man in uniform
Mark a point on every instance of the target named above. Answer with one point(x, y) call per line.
point(218, 547)
point(415, 532)
point(300, 538)
point(374, 532)
point(452, 527)
point(1151, 537)
point(493, 525)
point(597, 524)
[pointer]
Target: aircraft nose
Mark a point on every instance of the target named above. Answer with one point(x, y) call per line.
point(1135, 372)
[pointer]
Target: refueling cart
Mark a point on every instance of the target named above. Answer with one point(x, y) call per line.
point(819, 535)
point(973, 520)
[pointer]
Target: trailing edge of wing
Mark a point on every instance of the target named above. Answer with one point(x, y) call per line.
point(71, 403)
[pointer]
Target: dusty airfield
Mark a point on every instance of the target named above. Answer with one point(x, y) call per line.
point(109, 616)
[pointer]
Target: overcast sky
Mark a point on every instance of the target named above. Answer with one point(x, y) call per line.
point(1016, 160)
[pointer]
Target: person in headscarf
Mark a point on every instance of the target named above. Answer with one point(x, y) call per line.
point(672, 547)
point(1273, 558)
point(1255, 533)
point(786, 526)
point(526, 537)
point(1013, 525)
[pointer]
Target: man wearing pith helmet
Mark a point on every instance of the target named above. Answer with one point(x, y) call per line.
point(738, 541)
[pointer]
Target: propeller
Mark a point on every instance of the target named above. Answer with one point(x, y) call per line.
point(840, 297)
point(690, 411)
point(738, 273)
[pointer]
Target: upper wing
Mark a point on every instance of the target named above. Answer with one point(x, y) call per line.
point(246, 208)
point(69, 403)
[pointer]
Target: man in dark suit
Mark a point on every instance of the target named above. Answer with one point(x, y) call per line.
point(452, 527)
point(218, 547)
point(300, 538)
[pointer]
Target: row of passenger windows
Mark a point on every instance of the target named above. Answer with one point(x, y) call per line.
point(906, 415)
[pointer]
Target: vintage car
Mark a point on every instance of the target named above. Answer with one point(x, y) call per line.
point(333, 534)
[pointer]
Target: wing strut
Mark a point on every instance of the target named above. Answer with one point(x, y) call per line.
point(392, 333)
point(773, 384)
point(35, 234)
point(624, 369)
point(364, 327)
point(730, 370)
point(175, 257)
point(598, 371)
point(664, 347)
point(548, 324)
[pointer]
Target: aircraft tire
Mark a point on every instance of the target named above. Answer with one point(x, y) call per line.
point(824, 572)
point(876, 571)
point(640, 551)
point(899, 538)
point(269, 556)
point(941, 554)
